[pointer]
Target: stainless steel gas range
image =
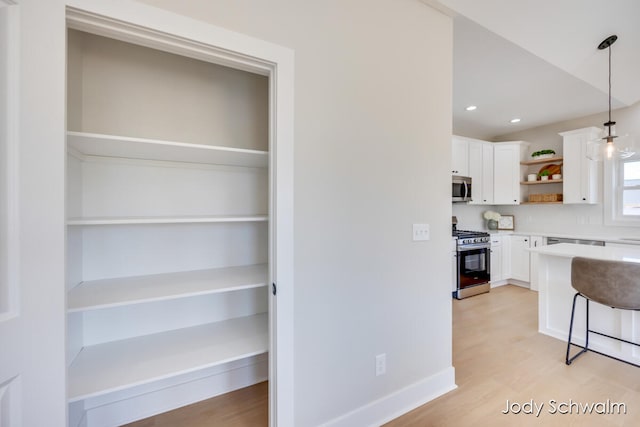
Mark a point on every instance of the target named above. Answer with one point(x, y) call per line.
point(473, 252)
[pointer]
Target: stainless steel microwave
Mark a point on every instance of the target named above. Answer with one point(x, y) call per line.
point(460, 188)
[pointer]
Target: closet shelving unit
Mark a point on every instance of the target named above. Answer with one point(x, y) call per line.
point(108, 367)
point(165, 275)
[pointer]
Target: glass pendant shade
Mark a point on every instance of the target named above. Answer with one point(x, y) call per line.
point(611, 147)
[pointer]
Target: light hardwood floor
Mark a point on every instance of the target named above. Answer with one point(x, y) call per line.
point(247, 407)
point(498, 356)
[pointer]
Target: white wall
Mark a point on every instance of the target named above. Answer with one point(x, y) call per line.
point(585, 220)
point(372, 135)
point(113, 89)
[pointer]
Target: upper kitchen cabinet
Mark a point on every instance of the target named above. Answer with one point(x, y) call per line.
point(580, 174)
point(474, 158)
point(459, 156)
point(506, 172)
point(481, 172)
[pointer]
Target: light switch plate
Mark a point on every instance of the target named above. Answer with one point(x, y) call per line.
point(421, 232)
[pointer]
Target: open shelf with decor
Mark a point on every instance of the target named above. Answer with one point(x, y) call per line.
point(542, 161)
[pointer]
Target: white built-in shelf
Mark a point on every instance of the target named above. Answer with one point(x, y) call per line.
point(165, 220)
point(108, 293)
point(93, 144)
point(542, 161)
point(109, 367)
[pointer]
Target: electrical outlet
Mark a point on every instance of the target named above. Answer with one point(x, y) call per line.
point(381, 364)
point(421, 232)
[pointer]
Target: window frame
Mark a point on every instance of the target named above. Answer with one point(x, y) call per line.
point(614, 193)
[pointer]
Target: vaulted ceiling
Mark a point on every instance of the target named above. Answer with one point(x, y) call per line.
point(539, 61)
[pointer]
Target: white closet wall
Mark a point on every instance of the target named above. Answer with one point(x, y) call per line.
point(167, 231)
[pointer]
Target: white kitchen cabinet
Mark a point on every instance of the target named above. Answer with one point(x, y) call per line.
point(581, 175)
point(459, 156)
point(475, 171)
point(487, 174)
point(497, 273)
point(520, 257)
point(507, 172)
point(481, 172)
point(506, 257)
point(168, 229)
point(535, 242)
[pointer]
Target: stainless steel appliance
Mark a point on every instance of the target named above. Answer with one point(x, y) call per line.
point(473, 258)
point(460, 188)
point(556, 240)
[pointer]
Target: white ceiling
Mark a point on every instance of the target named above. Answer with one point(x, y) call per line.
point(538, 60)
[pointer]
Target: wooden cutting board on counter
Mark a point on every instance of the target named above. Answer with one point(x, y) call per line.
point(552, 168)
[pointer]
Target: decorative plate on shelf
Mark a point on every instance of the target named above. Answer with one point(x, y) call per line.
point(552, 169)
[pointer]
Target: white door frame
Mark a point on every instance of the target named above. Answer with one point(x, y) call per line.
point(152, 27)
point(32, 326)
point(11, 322)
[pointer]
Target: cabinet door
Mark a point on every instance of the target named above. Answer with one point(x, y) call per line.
point(520, 258)
point(475, 172)
point(580, 174)
point(487, 174)
point(506, 176)
point(496, 263)
point(536, 241)
point(459, 156)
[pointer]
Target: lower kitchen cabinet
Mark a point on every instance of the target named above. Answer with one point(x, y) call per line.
point(520, 257)
point(497, 273)
point(500, 259)
point(535, 242)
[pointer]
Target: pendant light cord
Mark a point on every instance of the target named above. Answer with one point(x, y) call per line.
point(609, 88)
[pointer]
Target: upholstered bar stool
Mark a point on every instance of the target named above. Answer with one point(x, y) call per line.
point(612, 283)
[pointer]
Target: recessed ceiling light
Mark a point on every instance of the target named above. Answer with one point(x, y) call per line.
point(516, 120)
point(471, 108)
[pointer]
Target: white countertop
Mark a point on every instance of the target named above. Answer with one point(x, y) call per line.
point(612, 239)
point(570, 250)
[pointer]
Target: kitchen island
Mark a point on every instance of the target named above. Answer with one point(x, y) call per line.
point(555, 295)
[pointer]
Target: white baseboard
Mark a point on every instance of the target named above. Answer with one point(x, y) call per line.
point(515, 282)
point(398, 403)
point(520, 283)
point(499, 283)
point(156, 398)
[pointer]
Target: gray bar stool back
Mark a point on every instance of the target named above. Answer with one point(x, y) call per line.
point(612, 283)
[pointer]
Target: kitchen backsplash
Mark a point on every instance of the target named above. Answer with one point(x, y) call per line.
point(578, 220)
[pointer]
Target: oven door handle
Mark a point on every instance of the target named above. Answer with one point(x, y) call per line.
point(473, 247)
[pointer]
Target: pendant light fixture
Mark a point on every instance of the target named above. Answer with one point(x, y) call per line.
point(610, 145)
